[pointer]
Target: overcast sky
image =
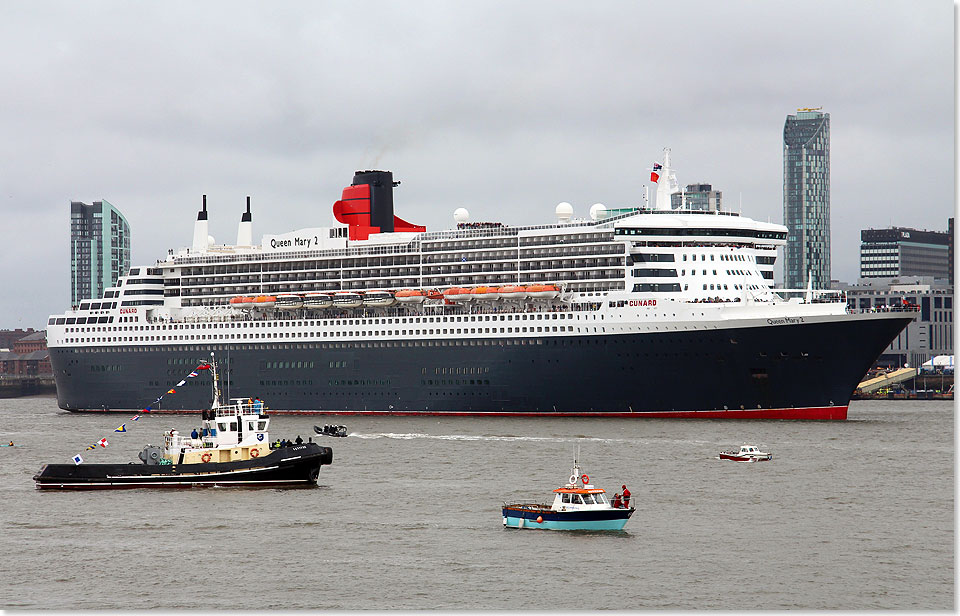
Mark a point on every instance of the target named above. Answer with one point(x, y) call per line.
point(505, 108)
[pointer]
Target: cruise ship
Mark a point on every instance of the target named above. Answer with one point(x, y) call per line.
point(645, 310)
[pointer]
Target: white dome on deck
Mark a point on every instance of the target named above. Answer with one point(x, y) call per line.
point(597, 210)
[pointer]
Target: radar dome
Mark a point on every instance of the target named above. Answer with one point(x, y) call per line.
point(210, 240)
point(564, 211)
point(597, 210)
point(461, 215)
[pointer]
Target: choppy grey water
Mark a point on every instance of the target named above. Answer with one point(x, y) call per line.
point(849, 515)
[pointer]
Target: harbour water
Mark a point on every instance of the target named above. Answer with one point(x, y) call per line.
point(855, 514)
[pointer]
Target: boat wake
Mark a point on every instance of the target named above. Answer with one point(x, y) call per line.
point(485, 437)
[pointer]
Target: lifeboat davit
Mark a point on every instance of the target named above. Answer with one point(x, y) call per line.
point(317, 300)
point(289, 301)
point(457, 294)
point(347, 299)
point(434, 294)
point(513, 292)
point(378, 299)
point(485, 293)
point(265, 301)
point(543, 291)
point(410, 296)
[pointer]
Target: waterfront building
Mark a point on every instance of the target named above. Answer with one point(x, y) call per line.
point(10, 336)
point(900, 251)
point(99, 249)
point(697, 197)
point(29, 358)
point(929, 335)
point(806, 198)
point(950, 249)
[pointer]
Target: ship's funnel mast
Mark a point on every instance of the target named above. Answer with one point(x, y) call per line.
point(201, 229)
point(245, 230)
point(667, 183)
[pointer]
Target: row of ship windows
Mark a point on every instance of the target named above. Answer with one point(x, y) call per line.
point(672, 273)
point(332, 322)
point(337, 334)
point(713, 232)
point(674, 287)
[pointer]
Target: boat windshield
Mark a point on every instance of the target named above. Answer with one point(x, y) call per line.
point(588, 499)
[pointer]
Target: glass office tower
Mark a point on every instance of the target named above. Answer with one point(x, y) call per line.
point(99, 249)
point(806, 199)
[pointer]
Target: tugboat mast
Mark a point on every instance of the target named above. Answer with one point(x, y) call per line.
point(216, 385)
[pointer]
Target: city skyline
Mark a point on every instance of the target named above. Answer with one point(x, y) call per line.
point(506, 117)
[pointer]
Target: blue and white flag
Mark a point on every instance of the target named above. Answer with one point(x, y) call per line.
point(135, 418)
point(77, 459)
point(192, 374)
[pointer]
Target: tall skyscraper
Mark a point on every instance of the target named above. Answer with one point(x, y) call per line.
point(99, 249)
point(806, 199)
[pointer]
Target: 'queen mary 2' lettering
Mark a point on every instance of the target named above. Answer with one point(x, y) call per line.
point(643, 302)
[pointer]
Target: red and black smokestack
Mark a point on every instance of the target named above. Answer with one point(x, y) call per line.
point(381, 197)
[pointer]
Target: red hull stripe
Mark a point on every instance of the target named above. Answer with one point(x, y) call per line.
point(816, 412)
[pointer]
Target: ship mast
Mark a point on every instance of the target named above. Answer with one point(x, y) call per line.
point(216, 384)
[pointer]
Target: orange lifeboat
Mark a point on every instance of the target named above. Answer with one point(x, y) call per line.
point(237, 302)
point(248, 303)
point(485, 293)
point(265, 301)
point(457, 294)
point(410, 296)
point(543, 291)
point(513, 291)
point(434, 294)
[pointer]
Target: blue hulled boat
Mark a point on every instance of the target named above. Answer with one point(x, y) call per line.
point(577, 505)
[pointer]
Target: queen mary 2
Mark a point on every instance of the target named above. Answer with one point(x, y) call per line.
point(639, 311)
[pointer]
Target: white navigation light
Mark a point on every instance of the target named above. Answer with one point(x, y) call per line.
point(461, 215)
point(564, 211)
point(597, 211)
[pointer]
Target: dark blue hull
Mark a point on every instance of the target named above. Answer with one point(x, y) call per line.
point(298, 465)
point(806, 370)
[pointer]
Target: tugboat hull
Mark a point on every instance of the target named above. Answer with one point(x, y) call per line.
point(298, 465)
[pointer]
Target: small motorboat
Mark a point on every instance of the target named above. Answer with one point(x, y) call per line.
point(232, 448)
point(329, 430)
point(747, 453)
point(578, 505)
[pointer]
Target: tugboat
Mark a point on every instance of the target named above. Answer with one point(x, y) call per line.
point(232, 449)
point(747, 453)
point(329, 430)
point(578, 505)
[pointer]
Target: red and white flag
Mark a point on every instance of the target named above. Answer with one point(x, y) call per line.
point(103, 442)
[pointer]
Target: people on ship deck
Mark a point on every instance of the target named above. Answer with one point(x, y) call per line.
point(626, 496)
point(616, 500)
point(299, 440)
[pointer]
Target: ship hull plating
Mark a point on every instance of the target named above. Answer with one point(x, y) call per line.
point(792, 371)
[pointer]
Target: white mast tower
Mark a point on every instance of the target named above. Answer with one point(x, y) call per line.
point(667, 184)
